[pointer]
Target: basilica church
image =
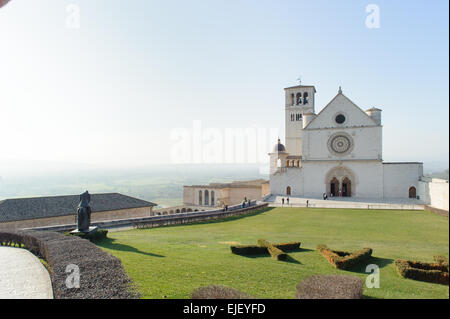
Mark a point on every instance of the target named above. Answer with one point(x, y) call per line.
point(337, 152)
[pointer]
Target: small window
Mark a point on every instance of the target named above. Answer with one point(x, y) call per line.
point(299, 98)
point(305, 98)
point(340, 118)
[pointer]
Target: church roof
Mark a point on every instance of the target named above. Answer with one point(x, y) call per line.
point(329, 103)
point(373, 109)
point(279, 148)
point(54, 206)
point(301, 86)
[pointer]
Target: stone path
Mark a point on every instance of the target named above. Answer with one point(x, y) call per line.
point(347, 202)
point(23, 276)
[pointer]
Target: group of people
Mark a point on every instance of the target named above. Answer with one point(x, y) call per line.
point(282, 200)
point(246, 203)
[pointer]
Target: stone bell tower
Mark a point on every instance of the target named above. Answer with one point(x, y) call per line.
point(299, 100)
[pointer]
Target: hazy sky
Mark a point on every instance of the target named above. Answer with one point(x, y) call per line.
point(114, 90)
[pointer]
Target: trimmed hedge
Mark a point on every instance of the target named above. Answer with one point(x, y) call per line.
point(330, 287)
point(291, 246)
point(275, 250)
point(101, 274)
point(276, 253)
point(248, 250)
point(343, 259)
point(93, 237)
point(218, 292)
point(430, 272)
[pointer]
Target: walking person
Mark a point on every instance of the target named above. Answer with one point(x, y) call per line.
point(282, 201)
point(287, 200)
point(307, 203)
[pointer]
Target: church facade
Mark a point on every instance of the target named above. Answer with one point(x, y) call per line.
point(337, 152)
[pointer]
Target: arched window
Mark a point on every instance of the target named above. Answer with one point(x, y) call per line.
point(292, 99)
point(183, 210)
point(206, 198)
point(212, 198)
point(299, 98)
point(305, 98)
point(200, 200)
point(288, 190)
point(412, 192)
point(177, 211)
point(292, 117)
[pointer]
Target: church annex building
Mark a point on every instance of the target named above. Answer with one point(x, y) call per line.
point(337, 152)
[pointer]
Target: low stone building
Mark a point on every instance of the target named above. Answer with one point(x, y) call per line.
point(219, 194)
point(19, 213)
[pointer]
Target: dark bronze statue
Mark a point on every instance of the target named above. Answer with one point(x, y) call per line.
point(84, 212)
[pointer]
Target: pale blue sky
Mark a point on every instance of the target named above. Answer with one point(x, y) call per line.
point(116, 87)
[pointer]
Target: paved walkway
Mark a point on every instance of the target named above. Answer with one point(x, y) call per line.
point(347, 202)
point(22, 275)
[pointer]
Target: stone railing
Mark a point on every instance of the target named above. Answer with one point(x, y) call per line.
point(188, 218)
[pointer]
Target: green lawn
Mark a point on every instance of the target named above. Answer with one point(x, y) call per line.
point(169, 262)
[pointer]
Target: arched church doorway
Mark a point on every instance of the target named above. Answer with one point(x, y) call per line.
point(334, 187)
point(288, 190)
point(412, 192)
point(346, 187)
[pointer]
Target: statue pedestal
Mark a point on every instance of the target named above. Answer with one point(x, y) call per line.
point(92, 229)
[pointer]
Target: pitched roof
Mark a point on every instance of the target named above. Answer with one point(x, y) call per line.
point(53, 206)
point(331, 102)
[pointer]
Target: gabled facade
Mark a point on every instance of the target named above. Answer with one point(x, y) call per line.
point(337, 152)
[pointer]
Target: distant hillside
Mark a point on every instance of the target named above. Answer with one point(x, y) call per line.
point(442, 174)
point(160, 184)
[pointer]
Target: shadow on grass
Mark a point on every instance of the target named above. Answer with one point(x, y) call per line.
point(288, 259)
point(380, 262)
point(299, 250)
point(215, 221)
point(291, 260)
point(110, 244)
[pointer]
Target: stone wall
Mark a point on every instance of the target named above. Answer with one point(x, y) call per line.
point(434, 192)
point(72, 219)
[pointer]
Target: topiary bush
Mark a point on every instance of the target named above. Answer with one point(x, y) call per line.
point(248, 250)
point(291, 246)
point(218, 292)
point(275, 250)
point(93, 237)
point(330, 287)
point(343, 259)
point(276, 253)
point(101, 274)
point(430, 272)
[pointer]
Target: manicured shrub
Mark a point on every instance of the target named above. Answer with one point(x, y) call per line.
point(330, 287)
point(218, 292)
point(93, 237)
point(430, 272)
point(441, 260)
point(273, 251)
point(343, 259)
point(288, 246)
point(248, 250)
point(101, 274)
